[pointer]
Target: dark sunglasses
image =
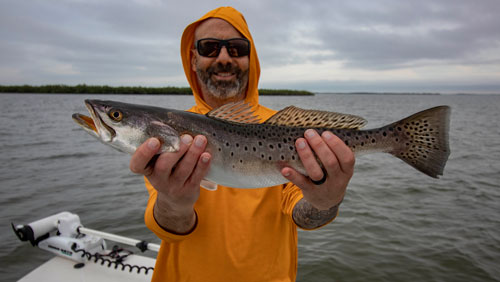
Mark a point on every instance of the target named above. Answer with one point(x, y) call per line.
point(210, 47)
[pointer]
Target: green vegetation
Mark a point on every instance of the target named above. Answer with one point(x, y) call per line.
point(124, 90)
point(284, 92)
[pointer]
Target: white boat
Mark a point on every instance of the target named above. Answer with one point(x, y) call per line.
point(82, 253)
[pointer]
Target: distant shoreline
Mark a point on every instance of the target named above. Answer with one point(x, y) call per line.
point(380, 93)
point(126, 90)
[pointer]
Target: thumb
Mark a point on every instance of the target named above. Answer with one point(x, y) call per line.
point(296, 178)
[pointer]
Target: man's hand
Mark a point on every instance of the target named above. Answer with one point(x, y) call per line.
point(320, 202)
point(176, 177)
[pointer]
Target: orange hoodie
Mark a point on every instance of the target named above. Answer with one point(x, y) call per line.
point(241, 234)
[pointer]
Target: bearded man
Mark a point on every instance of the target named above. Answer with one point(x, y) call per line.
point(234, 234)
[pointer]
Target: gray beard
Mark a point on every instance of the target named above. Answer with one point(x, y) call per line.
point(223, 89)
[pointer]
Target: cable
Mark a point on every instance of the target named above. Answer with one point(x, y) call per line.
point(116, 259)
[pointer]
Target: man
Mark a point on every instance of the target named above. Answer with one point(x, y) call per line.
point(234, 234)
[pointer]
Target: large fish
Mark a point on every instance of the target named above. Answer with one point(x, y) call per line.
point(249, 154)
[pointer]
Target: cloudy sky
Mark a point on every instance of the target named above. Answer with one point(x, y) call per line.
point(325, 46)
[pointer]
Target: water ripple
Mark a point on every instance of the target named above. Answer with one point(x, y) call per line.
point(395, 224)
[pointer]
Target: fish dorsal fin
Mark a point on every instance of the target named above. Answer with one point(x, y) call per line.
point(239, 112)
point(297, 117)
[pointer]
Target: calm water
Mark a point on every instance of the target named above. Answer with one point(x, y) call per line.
point(396, 224)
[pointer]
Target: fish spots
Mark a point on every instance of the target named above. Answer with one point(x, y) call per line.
point(421, 133)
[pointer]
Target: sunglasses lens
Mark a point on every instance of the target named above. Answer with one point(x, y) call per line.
point(236, 47)
point(208, 47)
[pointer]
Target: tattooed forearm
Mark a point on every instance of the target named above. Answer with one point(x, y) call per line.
point(309, 217)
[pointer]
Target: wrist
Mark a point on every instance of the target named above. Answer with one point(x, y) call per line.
point(175, 220)
point(328, 206)
point(174, 208)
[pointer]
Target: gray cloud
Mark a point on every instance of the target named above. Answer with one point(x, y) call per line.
point(391, 34)
point(137, 42)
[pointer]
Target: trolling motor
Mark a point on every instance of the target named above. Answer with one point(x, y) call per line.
point(64, 235)
point(65, 238)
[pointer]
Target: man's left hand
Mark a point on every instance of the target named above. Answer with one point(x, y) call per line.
point(338, 164)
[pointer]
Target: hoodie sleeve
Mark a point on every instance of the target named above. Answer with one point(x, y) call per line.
point(291, 195)
point(151, 222)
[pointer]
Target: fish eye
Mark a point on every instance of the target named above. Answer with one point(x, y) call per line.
point(116, 115)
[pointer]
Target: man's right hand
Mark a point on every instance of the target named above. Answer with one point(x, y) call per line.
point(176, 177)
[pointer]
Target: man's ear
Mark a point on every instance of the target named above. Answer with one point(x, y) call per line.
point(194, 57)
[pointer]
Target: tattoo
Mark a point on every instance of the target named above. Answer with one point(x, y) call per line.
point(308, 217)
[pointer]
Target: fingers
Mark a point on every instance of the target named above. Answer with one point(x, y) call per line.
point(308, 159)
point(296, 177)
point(331, 151)
point(344, 154)
point(186, 167)
point(319, 155)
point(168, 161)
point(143, 155)
point(201, 169)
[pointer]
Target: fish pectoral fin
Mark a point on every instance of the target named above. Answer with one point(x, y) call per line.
point(169, 137)
point(297, 117)
point(208, 185)
point(239, 112)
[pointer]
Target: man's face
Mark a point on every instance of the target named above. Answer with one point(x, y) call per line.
point(223, 77)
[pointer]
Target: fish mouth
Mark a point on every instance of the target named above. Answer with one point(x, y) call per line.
point(94, 124)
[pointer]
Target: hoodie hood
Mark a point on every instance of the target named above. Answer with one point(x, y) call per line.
point(237, 20)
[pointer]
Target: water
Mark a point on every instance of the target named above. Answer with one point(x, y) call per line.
point(395, 224)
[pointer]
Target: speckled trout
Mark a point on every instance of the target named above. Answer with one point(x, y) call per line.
point(248, 153)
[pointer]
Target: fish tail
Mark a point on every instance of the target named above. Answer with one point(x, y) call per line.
point(423, 140)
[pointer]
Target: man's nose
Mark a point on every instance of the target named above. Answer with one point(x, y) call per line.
point(223, 57)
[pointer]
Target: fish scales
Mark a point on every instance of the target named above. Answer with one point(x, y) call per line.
point(250, 155)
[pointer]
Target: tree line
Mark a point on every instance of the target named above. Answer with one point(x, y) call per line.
point(124, 90)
